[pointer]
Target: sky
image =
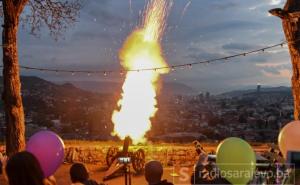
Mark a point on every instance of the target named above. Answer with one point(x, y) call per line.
point(204, 29)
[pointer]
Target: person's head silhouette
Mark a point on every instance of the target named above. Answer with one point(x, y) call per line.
point(24, 169)
point(153, 172)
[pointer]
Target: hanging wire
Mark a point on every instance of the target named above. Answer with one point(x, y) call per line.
point(172, 67)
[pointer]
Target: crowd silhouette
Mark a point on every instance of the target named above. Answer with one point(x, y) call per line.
point(23, 168)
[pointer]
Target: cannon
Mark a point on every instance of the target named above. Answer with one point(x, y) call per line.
point(113, 156)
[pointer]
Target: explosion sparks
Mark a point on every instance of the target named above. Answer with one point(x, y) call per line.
point(141, 50)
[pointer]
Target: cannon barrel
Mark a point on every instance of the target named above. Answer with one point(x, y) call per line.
point(126, 146)
point(113, 154)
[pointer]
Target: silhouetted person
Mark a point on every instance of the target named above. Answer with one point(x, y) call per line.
point(205, 172)
point(154, 172)
point(80, 175)
point(24, 169)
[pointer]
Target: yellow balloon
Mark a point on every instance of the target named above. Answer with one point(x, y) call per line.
point(288, 139)
point(236, 160)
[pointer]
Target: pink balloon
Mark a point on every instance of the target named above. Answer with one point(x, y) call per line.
point(48, 148)
point(288, 139)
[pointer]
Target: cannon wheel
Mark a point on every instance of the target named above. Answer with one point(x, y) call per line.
point(111, 155)
point(138, 161)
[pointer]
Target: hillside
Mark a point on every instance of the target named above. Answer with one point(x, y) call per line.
point(81, 114)
point(115, 87)
point(264, 90)
point(39, 85)
point(74, 108)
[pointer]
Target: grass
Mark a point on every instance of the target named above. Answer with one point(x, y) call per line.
point(85, 143)
point(116, 143)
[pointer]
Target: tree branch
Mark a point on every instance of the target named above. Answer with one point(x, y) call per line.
point(56, 15)
point(292, 6)
point(279, 13)
point(20, 4)
point(283, 14)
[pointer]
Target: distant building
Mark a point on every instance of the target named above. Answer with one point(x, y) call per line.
point(207, 95)
point(258, 88)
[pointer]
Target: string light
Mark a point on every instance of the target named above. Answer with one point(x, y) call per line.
point(173, 67)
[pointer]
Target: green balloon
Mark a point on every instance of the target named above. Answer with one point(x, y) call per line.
point(236, 160)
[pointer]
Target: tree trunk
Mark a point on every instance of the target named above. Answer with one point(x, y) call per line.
point(14, 113)
point(291, 26)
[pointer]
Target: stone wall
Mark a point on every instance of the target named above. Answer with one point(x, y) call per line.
point(168, 155)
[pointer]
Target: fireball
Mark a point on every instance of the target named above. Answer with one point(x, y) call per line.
point(141, 50)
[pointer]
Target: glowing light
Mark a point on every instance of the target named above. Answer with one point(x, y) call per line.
point(141, 50)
